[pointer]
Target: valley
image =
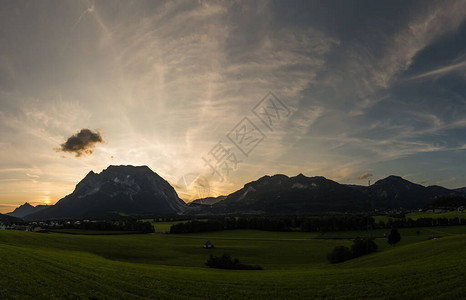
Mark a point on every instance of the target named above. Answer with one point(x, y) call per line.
point(165, 266)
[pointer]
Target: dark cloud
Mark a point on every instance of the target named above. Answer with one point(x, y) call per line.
point(364, 176)
point(81, 143)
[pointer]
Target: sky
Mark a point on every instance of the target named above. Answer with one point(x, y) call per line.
point(214, 94)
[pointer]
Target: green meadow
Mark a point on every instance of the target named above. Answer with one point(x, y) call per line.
point(428, 263)
point(417, 215)
point(447, 214)
point(164, 227)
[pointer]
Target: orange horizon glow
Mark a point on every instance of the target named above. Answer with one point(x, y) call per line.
point(164, 83)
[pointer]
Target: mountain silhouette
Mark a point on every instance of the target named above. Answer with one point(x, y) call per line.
point(116, 190)
point(130, 190)
point(26, 209)
point(280, 194)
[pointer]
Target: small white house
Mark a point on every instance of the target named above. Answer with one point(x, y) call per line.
point(208, 245)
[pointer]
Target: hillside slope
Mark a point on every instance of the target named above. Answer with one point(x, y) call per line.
point(9, 219)
point(427, 270)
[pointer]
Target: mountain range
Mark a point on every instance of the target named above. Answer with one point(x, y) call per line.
point(207, 201)
point(130, 190)
point(26, 209)
point(280, 194)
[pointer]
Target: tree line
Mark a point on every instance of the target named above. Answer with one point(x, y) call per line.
point(307, 224)
point(125, 225)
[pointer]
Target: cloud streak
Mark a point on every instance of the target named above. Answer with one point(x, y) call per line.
point(443, 70)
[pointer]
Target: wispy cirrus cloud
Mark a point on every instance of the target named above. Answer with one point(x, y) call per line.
point(455, 67)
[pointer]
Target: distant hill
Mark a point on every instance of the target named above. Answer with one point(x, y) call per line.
point(26, 209)
point(208, 200)
point(461, 190)
point(280, 194)
point(116, 190)
point(395, 192)
point(9, 219)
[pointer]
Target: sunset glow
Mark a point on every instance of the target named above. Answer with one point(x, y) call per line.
point(367, 90)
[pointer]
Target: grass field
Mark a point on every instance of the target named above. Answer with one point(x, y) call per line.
point(417, 215)
point(161, 266)
point(448, 215)
point(91, 231)
point(164, 227)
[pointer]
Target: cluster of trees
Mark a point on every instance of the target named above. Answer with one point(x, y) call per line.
point(226, 262)
point(274, 223)
point(360, 247)
point(421, 222)
point(125, 225)
point(307, 224)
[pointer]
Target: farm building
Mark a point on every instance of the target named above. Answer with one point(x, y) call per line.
point(39, 229)
point(208, 245)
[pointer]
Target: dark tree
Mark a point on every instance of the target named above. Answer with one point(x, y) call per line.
point(394, 236)
point(339, 254)
point(226, 262)
point(362, 247)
